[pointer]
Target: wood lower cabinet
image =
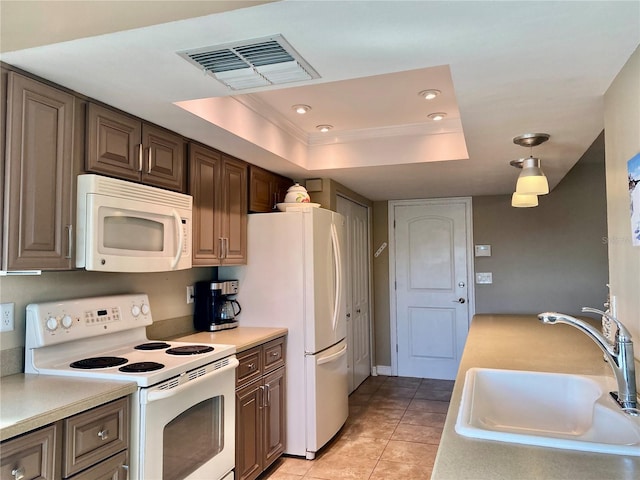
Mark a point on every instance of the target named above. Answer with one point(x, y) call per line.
point(218, 184)
point(266, 189)
point(39, 176)
point(91, 445)
point(33, 455)
point(260, 408)
point(125, 147)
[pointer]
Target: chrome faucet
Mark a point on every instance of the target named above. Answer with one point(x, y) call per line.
point(619, 354)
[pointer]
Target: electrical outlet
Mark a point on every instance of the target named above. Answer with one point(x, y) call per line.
point(190, 294)
point(6, 317)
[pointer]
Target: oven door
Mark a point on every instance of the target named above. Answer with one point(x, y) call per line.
point(187, 425)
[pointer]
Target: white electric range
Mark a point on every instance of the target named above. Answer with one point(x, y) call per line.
point(185, 399)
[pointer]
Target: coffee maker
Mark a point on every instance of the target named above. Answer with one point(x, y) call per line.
point(214, 309)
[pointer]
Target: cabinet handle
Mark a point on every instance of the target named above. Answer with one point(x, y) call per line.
point(221, 247)
point(103, 434)
point(140, 154)
point(267, 388)
point(226, 247)
point(261, 400)
point(18, 473)
point(69, 240)
point(149, 160)
point(251, 366)
point(126, 471)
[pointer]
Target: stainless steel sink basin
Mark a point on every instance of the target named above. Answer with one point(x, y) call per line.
point(554, 410)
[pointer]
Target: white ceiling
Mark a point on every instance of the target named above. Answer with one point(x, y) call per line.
point(505, 68)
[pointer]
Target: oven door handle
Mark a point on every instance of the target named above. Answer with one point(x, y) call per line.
point(180, 389)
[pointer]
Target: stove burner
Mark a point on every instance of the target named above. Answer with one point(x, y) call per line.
point(98, 362)
point(190, 350)
point(152, 346)
point(141, 367)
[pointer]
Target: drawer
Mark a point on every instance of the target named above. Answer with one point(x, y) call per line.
point(94, 435)
point(250, 366)
point(273, 354)
point(32, 455)
point(111, 469)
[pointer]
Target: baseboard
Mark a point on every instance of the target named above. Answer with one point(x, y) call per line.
point(382, 370)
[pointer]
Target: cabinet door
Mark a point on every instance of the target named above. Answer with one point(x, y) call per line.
point(33, 455)
point(164, 162)
point(234, 211)
point(280, 187)
point(260, 190)
point(204, 165)
point(39, 181)
point(114, 468)
point(113, 143)
point(274, 416)
point(249, 431)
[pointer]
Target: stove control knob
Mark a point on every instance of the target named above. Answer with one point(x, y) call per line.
point(52, 324)
point(145, 309)
point(135, 310)
point(67, 321)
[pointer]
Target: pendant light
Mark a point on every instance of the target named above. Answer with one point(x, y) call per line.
point(520, 200)
point(532, 180)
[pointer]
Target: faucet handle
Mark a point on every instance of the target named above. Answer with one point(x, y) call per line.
point(623, 333)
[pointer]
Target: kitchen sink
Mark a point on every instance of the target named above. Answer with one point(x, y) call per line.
point(557, 410)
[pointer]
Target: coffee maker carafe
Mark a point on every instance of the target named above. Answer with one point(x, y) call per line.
point(214, 309)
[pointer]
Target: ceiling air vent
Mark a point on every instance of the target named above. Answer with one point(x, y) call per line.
point(252, 63)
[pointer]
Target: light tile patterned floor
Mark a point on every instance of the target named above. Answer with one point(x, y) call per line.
point(392, 432)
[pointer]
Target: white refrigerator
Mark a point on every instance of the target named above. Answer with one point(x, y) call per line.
point(294, 278)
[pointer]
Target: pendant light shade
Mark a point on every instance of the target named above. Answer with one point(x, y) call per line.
point(532, 181)
point(523, 201)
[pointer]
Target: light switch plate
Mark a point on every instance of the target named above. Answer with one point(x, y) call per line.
point(484, 278)
point(483, 250)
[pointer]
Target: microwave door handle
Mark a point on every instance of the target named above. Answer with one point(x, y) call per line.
point(178, 220)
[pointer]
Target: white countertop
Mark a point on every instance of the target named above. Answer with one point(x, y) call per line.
point(30, 401)
point(521, 342)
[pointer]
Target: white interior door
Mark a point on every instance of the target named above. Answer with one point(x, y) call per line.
point(432, 243)
point(357, 280)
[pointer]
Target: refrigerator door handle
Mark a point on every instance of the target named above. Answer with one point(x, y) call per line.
point(332, 357)
point(338, 269)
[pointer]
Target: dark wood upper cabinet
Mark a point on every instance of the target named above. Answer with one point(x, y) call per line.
point(218, 184)
point(122, 146)
point(39, 176)
point(266, 189)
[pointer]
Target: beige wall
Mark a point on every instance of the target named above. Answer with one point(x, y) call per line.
point(622, 133)
point(552, 257)
point(381, 320)
point(166, 290)
point(549, 257)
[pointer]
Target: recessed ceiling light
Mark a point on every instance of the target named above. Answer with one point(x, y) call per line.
point(301, 109)
point(436, 117)
point(429, 94)
point(324, 128)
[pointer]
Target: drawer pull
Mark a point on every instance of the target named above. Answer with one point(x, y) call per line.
point(251, 366)
point(275, 354)
point(103, 434)
point(18, 473)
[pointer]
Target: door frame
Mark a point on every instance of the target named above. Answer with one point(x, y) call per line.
point(372, 361)
point(393, 321)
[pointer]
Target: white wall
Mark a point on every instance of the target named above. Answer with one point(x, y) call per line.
point(622, 140)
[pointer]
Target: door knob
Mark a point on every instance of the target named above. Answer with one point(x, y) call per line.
point(460, 300)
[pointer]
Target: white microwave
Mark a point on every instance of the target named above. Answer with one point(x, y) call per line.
point(128, 227)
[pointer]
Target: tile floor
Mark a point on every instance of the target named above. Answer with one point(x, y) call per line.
point(392, 432)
